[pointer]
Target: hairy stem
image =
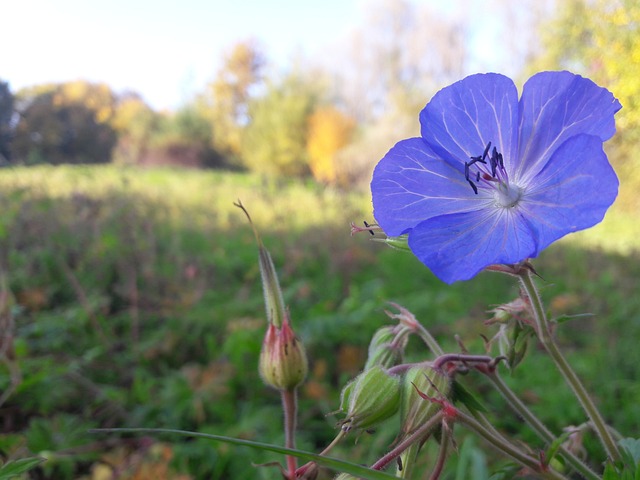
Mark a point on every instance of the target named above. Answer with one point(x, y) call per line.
point(541, 430)
point(290, 408)
point(544, 335)
point(508, 448)
point(417, 436)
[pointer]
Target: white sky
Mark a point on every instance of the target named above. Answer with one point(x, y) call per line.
point(166, 50)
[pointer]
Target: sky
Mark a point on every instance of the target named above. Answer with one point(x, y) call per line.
point(165, 50)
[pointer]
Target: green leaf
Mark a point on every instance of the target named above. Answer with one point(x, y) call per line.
point(552, 451)
point(566, 318)
point(17, 467)
point(329, 462)
point(462, 395)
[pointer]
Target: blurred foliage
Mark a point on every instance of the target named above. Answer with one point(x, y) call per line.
point(226, 99)
point(182, 138)
point(135, 122)
point(6, 116)
point(137, 302)
point(601, 39)
point(64, 123)
point(330, 130)
point(275, 140)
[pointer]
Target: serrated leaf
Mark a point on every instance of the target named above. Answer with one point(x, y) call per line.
point(17, 467)
point(328, 462)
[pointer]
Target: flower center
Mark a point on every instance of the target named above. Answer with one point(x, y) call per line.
point(488, 172)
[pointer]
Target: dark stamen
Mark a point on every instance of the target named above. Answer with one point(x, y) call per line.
point(367, 226)
point(486, 151)
point(495, 162)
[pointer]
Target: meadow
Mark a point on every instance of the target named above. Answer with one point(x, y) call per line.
point(132, 298)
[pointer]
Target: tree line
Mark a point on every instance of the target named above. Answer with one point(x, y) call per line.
point(329, 118)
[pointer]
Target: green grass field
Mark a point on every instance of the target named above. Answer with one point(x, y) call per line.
point(132, 298)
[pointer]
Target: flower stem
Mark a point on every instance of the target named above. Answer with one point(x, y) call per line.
point(508, 448)
point(417, 436)
point(428, 339)
point(544, 335)
point(445, 440)
point(543, 432)
point(290, 408)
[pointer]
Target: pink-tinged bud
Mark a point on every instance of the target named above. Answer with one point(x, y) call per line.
point(283, 361)
point(416, 408)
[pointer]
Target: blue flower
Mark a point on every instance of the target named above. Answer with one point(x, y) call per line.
point(494, 179)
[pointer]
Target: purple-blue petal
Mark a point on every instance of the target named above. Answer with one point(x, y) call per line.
point(554, 107)
point(461, 119)
point(572, 192)
point(457, 247)
point(411, 184)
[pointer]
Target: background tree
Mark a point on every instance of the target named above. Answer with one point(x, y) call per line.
point(182, 138)
point(330, 130)
point(275, 138)
point(65, 123)
point(135, 123)
point(399, 56)
point(227, 97)
point(601, 39)
point(6, 117)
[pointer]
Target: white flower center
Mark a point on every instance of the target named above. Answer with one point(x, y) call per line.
point(507, 195)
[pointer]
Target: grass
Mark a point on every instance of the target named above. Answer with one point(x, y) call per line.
point(133, 299)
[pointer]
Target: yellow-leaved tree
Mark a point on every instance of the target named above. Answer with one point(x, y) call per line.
point(328, 132)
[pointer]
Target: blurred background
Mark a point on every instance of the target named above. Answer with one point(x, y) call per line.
point(129, 284)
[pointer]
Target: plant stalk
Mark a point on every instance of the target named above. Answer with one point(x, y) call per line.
point(544, 335)
point(509, 449)
point(541, 430)
point(290, 409)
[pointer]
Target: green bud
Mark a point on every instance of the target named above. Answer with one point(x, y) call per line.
point(398, 243)
point(283, 361)
point(415, 409)
point(273, 300)
point(386, 347)
point(345, 476)
point(372, 397)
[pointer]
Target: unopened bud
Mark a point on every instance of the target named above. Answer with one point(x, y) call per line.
point(417, 410)
point(398, 243)
point(283, 361)
point(370, 398)
point(345, 476)
point(387, 347)
point(273, 301)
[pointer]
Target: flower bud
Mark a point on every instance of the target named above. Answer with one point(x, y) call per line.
point(415, 409)
point(370, 398)
point(386, 347)
point(273, 300)
point(398, 243)
point(345, 476)
point(283, 361)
